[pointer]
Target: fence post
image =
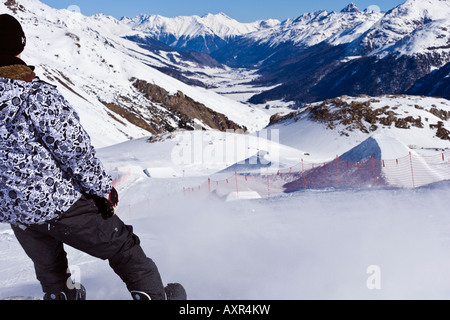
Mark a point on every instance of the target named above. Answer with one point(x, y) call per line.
point(237, 190)
point(412, 169)
point(337, 171)
point(303, 174)
point(373, 169)
point(209, 185)
point(268, 183)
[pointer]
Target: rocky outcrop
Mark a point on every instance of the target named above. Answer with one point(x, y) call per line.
point(187, 112)
point(368, 114)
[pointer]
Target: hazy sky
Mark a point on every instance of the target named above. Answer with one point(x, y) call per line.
point(241, 10)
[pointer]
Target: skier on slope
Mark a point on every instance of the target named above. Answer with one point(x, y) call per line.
point(53, 188)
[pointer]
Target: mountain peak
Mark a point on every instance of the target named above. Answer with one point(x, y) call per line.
point(219, 14)
point(351, 8)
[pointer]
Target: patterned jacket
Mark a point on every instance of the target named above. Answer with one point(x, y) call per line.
point(46, 158)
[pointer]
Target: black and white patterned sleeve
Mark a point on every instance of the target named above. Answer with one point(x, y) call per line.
point(59, 128)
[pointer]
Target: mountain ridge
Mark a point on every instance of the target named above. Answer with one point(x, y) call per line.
point(387, 59)
point(97, 62)
point(91, 63)
point(188, 32)
point(412, 37)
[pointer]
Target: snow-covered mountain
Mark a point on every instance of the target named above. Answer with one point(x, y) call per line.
point(413, 27)
point(204, 34)
point(322, 54)
point(310, 29)
point(289, 37)
point(139, 85)
point(403, 46)
point(114, 83)
point(437, 83)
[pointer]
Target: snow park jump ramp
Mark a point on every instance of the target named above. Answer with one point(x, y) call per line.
point(380, 161)
point(359, 167)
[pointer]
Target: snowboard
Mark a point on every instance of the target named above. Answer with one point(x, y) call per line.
point(174, 291)
point(20, 298)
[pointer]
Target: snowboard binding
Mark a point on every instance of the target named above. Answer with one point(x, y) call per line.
point(78, 293)
point(174, 291)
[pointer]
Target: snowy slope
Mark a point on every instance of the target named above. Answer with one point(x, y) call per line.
point(197, 154)
point(337, 132)
point(305, 245)
point(91, 64)
point(410, 129)
point(309, 245)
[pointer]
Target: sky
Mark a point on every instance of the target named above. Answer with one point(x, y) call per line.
point(241, 10)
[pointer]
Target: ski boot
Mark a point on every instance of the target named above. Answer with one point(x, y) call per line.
point(78, 293)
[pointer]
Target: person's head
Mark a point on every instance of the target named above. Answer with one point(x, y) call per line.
point(12, 37)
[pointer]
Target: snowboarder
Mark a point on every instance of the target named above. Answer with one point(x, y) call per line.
point(53, 188)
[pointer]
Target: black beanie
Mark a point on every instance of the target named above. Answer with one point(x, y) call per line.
point(12, 37)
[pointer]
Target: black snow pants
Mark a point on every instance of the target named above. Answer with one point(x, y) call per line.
point(82, 227)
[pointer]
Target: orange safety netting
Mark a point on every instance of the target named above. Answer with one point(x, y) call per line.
point(410, 171)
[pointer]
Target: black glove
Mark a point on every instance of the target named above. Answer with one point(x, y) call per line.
point(107, 206)
point(114, 197)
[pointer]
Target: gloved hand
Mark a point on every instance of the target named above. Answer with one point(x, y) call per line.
point(107, 206)
point(114, 197)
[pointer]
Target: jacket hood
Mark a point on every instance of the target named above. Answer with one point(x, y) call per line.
point(17, 72)
point(15, 78)
point(15, 68)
